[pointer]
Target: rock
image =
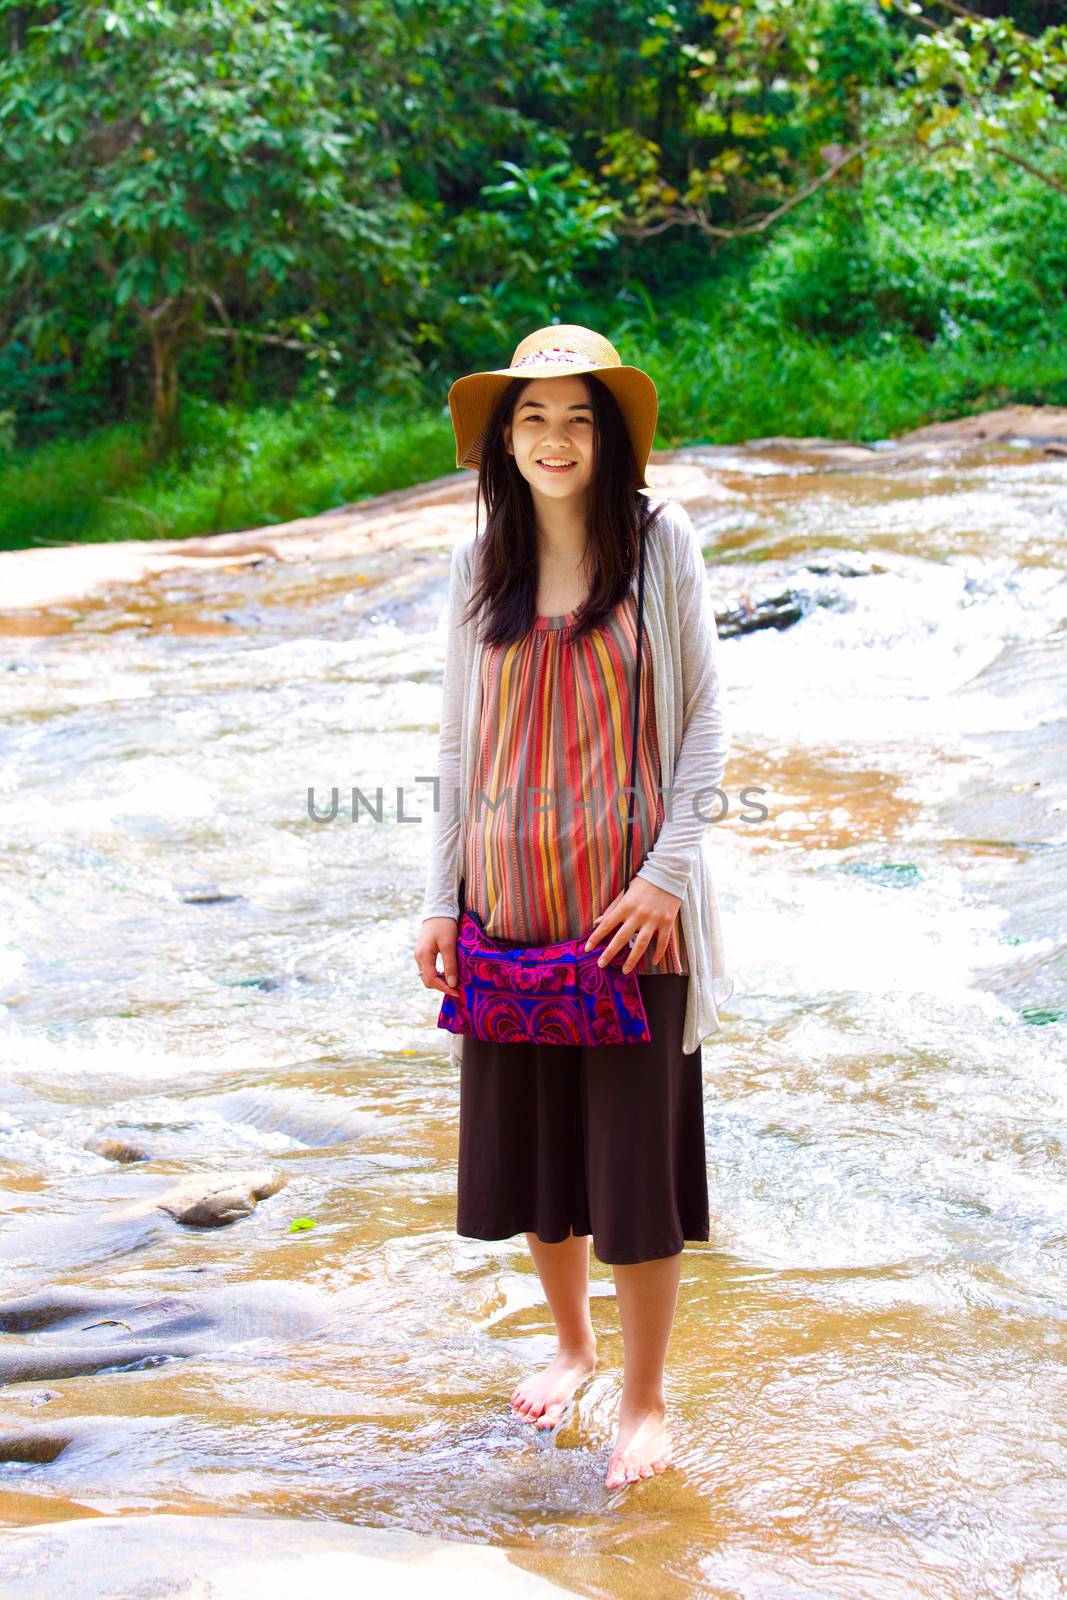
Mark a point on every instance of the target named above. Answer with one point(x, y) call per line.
point(775, 611)
point(312, 1118)
point(1040, 423)
point(211, 1201)
point(116, 1149)
point(68, 1332)
point(37, 1445)
point(233, 1557)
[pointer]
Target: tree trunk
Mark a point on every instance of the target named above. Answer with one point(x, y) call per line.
point(165, 433)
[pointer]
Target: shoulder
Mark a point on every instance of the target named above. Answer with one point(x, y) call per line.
point(462, 555)
point(671, 529)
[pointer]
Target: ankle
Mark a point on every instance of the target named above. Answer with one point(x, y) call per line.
point(643, 1400)
point(582, 1348)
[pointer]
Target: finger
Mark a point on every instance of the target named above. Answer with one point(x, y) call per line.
point(433, 979)
point(601, 924)
point(622, 937)
point(638, 948)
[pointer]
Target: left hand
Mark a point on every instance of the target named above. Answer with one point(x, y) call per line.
point(642, 913)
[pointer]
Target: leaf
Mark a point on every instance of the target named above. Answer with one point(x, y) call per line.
point(301, 1224)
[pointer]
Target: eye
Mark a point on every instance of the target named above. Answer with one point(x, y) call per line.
point(538, 416)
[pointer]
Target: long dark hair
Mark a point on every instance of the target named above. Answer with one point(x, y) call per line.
point(506, 553)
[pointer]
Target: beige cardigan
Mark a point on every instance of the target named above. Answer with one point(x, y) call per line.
point(694, 741)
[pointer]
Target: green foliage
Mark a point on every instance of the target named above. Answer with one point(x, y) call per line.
point(187, 160)
point(518, 259)
point(213, 209)
point(921, 255)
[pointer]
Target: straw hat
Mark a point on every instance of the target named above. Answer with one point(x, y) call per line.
point(560, 350)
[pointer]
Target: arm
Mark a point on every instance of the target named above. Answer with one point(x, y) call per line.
point(442, 889)
point(705, 732)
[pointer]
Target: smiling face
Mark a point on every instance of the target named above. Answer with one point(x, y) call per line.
point(552, 424)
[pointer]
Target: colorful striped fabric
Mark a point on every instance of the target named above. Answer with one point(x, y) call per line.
point(546, 839)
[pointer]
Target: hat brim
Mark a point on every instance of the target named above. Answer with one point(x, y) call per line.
point(471, 400)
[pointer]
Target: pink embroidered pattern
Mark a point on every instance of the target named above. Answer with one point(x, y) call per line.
point(554, 994)
point(556, 355)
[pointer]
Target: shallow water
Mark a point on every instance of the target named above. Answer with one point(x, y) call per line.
point(867, 1374)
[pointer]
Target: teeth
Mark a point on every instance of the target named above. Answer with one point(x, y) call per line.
point(548, 462)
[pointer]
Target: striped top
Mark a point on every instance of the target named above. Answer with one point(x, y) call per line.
point(547, 837)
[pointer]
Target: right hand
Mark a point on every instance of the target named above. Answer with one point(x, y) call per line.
point(437, 936)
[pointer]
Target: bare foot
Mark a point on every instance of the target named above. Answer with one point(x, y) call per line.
point(643, 1446)
point(542, 1397)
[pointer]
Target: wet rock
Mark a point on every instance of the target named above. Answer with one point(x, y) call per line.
point(37, 1445)
point(799, 596)
point(853, 565)
point(775, 611)
point(29, 1313)
point(117, 1149)
point(314, 1120)
point(210, 899)
point(211, 1200)
point(70, 1332)
point(233, 1557)
point(270, 983)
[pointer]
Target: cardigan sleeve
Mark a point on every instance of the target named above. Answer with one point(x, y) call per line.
point(442, 889)
point(705, 741)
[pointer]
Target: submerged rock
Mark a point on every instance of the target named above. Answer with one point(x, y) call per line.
point(273, 1558)
point(69, 1332)
point(117, 1149)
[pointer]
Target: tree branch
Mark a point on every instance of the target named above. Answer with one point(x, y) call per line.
point(1053, 182)
point(1028, 166)
point(695, 218)
point(256, 338)
point(976, 16)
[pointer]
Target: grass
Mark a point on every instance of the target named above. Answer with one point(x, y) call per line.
point(722, 382)
point(235, 469)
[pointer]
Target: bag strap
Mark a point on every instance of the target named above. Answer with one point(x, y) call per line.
point(631, 795)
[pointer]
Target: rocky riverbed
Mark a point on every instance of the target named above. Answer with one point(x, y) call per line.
point(238, 1331)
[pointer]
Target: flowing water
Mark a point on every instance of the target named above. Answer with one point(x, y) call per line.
point(867, 1376)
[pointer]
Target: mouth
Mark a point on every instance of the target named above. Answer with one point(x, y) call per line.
point(554, 464)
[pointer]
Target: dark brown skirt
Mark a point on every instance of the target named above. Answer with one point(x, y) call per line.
point(607, 1140)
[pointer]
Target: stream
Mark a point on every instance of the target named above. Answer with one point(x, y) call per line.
point(200, 981)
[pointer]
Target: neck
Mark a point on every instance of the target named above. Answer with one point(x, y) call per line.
point(562, 534)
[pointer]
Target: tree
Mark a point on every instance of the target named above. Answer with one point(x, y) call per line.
point(781, 98)
point(195, 158)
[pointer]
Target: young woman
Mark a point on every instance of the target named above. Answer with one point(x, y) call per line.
point(572, 1144)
